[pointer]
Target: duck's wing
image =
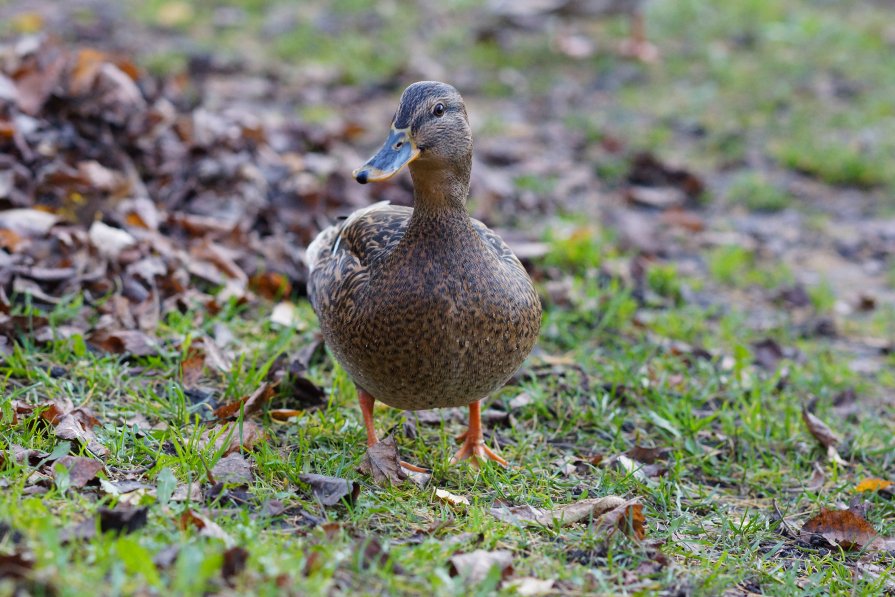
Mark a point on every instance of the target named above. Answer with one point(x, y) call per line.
point(339, 258)
point(496, 244)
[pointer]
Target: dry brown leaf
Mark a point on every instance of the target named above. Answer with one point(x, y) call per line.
point(647, 455)
point(843, 528)
point(132, 342)
point(233, 469)
point(234, 435)
point(382, 462)
point(283, 414)
point(191, 366)
point(627, 518)
point(35, 84)
point(474, 567)
point(249, 404)
point(206, 526)
point(81, 471)
point(592, 508)
point(823, 434)
point(235, 560)
point(330, 491)
point(271, 285)
point(819, 429)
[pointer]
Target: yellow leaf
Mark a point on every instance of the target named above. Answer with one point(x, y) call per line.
point(873, 484)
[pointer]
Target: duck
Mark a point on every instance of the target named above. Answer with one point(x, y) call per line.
point(424, 307)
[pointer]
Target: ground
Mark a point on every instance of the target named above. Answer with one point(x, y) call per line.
point(712, 236)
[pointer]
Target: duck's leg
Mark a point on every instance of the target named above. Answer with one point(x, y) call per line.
point(366, 402)
point(637, 46)
point(473, 442)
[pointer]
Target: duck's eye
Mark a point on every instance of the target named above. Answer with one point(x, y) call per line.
point(438, 110)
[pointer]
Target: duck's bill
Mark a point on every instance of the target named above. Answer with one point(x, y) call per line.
point(398, 151)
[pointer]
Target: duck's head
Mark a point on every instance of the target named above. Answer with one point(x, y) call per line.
point(430, 128)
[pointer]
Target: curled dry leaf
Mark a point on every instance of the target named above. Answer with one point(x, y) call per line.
point(330, 491)
point(475, 566)
point(562, 515)
point(206, 526)
point(823, 434)
point(249, 404)
point(283, 414)
point(451, 498)
point(627, 518)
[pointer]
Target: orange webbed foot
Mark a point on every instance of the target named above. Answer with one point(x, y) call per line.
point(477, 451)
point(474, 446)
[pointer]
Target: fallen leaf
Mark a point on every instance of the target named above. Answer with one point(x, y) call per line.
point(627, 518)
point(235, 560)
point(132, 342)
point(81, 471)
point(283, 414)
point(330, 491)
point(206, 526)
point(382, 462)
point(123, 518)
point(285, 314)
point(249, 404)
point(823, 434)
point(29, 222)
point(565, 515)
point(841, 527)
point(233, 469)
point(233, 435)
point(450, 498)
point(873, 484)
point(271, 285)
point(647, 455)
point(16, 566)
point(110, 242)
point(474, 567)
point(529, 586)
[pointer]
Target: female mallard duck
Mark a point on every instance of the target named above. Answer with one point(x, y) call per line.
point(423, 307)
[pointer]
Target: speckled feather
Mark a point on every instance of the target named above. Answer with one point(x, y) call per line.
point(441, 315)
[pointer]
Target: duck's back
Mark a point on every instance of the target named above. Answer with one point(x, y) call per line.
point(441, 319)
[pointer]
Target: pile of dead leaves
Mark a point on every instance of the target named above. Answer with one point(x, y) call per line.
point(124, 188)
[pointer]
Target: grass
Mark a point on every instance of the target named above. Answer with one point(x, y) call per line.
point(735, 437)
point(605, 376)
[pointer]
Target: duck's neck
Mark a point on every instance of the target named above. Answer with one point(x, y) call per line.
point(439, 192)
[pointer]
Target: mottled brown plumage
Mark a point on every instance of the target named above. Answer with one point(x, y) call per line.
point(424, 307)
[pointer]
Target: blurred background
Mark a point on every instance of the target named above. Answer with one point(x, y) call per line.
point(749, 146)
